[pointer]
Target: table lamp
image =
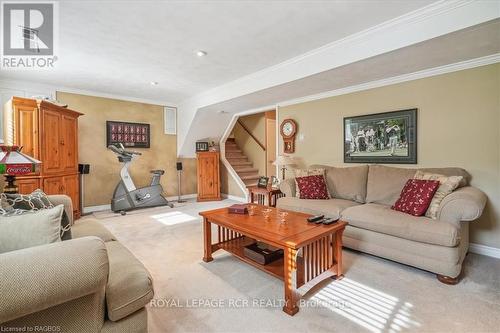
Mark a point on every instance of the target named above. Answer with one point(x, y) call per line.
point(284, 161)
point(14, 163)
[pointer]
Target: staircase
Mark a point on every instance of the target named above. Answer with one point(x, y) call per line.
point(240, 163)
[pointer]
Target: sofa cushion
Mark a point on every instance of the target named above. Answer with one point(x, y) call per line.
point(30, 229)
point(384, 183)
point(380, 218)
point(92, 227)
point(331, 207)
point(448, 172)
point(35, 201)
point(416, 196)
point(346, 183)
point(130, 287)
point(305, 173)
point(312, 187)
point(446, 186)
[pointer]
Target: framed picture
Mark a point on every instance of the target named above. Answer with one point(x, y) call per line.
point(263, 182)
point(389, 137)
point(128, 134)
point(201, 146)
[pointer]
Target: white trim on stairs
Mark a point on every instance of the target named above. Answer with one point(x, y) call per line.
point(234, 197)
point(485, 250)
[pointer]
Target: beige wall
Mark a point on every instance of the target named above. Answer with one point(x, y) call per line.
point(105, 168)
point(458, 125)
point(256, 124)
point(228, 184)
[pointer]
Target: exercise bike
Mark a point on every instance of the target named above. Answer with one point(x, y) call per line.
point(126, 196)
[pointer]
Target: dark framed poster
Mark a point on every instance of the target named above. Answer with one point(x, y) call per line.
point(389, 137)
point(128, 134)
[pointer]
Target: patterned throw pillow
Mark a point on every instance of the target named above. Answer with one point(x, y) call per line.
point(447, 185)
point(304, 173)
point(416, 196)
point(312, 187)
point(36, 201)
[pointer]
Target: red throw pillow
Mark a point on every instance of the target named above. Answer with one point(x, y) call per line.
point(312, 187)
point(416, 196)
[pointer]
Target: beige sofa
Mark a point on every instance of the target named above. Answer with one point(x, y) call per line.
point(90, 283)
point(363, 196)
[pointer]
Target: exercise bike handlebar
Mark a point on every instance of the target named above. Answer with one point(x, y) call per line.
point(122, 151)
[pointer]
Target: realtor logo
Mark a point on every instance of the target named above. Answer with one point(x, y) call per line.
point(28, 35)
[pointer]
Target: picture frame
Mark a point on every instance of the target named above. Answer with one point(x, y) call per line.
point(263, 181)
point(137, 135)
point(388, 137)
point(202, 146)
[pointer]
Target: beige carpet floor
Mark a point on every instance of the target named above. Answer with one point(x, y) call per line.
point(227, 295)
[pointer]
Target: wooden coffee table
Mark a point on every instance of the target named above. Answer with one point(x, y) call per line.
point(312, 252)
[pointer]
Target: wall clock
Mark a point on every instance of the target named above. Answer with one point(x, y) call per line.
point(288, 130)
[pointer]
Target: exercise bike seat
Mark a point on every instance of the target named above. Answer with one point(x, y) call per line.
point(158, 172)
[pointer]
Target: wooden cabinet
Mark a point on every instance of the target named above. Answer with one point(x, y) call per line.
point(28, 185)
point(208, 176)
point(49, 133)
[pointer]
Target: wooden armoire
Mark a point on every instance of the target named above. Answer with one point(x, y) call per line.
point(208, 176)
point(49, 133)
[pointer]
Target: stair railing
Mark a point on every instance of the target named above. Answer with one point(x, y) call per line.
point(251, 135)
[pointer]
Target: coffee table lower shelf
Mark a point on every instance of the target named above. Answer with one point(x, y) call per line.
point(300, 268)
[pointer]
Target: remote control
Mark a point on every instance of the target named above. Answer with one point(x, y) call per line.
point(319, 221)
point(329, 221)
point(315, 218)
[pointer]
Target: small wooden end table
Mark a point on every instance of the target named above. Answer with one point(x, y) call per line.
point(261, 193)
point(312, 252)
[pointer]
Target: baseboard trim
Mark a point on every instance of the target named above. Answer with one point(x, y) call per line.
point(484, 250)
point(233, 197)
point(100, 208)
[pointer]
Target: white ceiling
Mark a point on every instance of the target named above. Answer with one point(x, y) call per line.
point(118, 47)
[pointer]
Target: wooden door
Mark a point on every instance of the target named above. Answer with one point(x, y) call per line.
point(69, 143)
point(71, 189)
point(27, 185)
point(208, 176)
point(53, 185)
point(271, 146)
point(51, 142)
point(26, 128)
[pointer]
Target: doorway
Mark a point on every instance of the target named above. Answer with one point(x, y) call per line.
point(270, 118)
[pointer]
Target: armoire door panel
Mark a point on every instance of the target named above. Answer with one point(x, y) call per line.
point(53, 185)
point(27, 186)
point(51, 142)
point(69, 143)
point(26, 131)
point(71, 189)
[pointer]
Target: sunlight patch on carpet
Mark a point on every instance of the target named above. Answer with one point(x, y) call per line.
point(175, 217)
point(370, 308)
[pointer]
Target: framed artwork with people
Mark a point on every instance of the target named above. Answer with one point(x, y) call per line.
point(389, 137)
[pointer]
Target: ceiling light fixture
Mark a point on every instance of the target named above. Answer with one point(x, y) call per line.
point(201, 53)
point(153, 83)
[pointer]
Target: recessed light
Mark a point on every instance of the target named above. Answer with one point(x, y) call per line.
point(201, 53)
point(153, 83)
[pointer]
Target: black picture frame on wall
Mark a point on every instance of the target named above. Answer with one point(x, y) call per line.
point(137, 135)
point(388, 137)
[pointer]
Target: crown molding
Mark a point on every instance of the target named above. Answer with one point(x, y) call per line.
point(51, 90)
point(467, 64)
point(437, 19)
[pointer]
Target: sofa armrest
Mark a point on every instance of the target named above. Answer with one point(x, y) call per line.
point(62, 199)
point(287, 186)
point(41, 277)
point(464, 204)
